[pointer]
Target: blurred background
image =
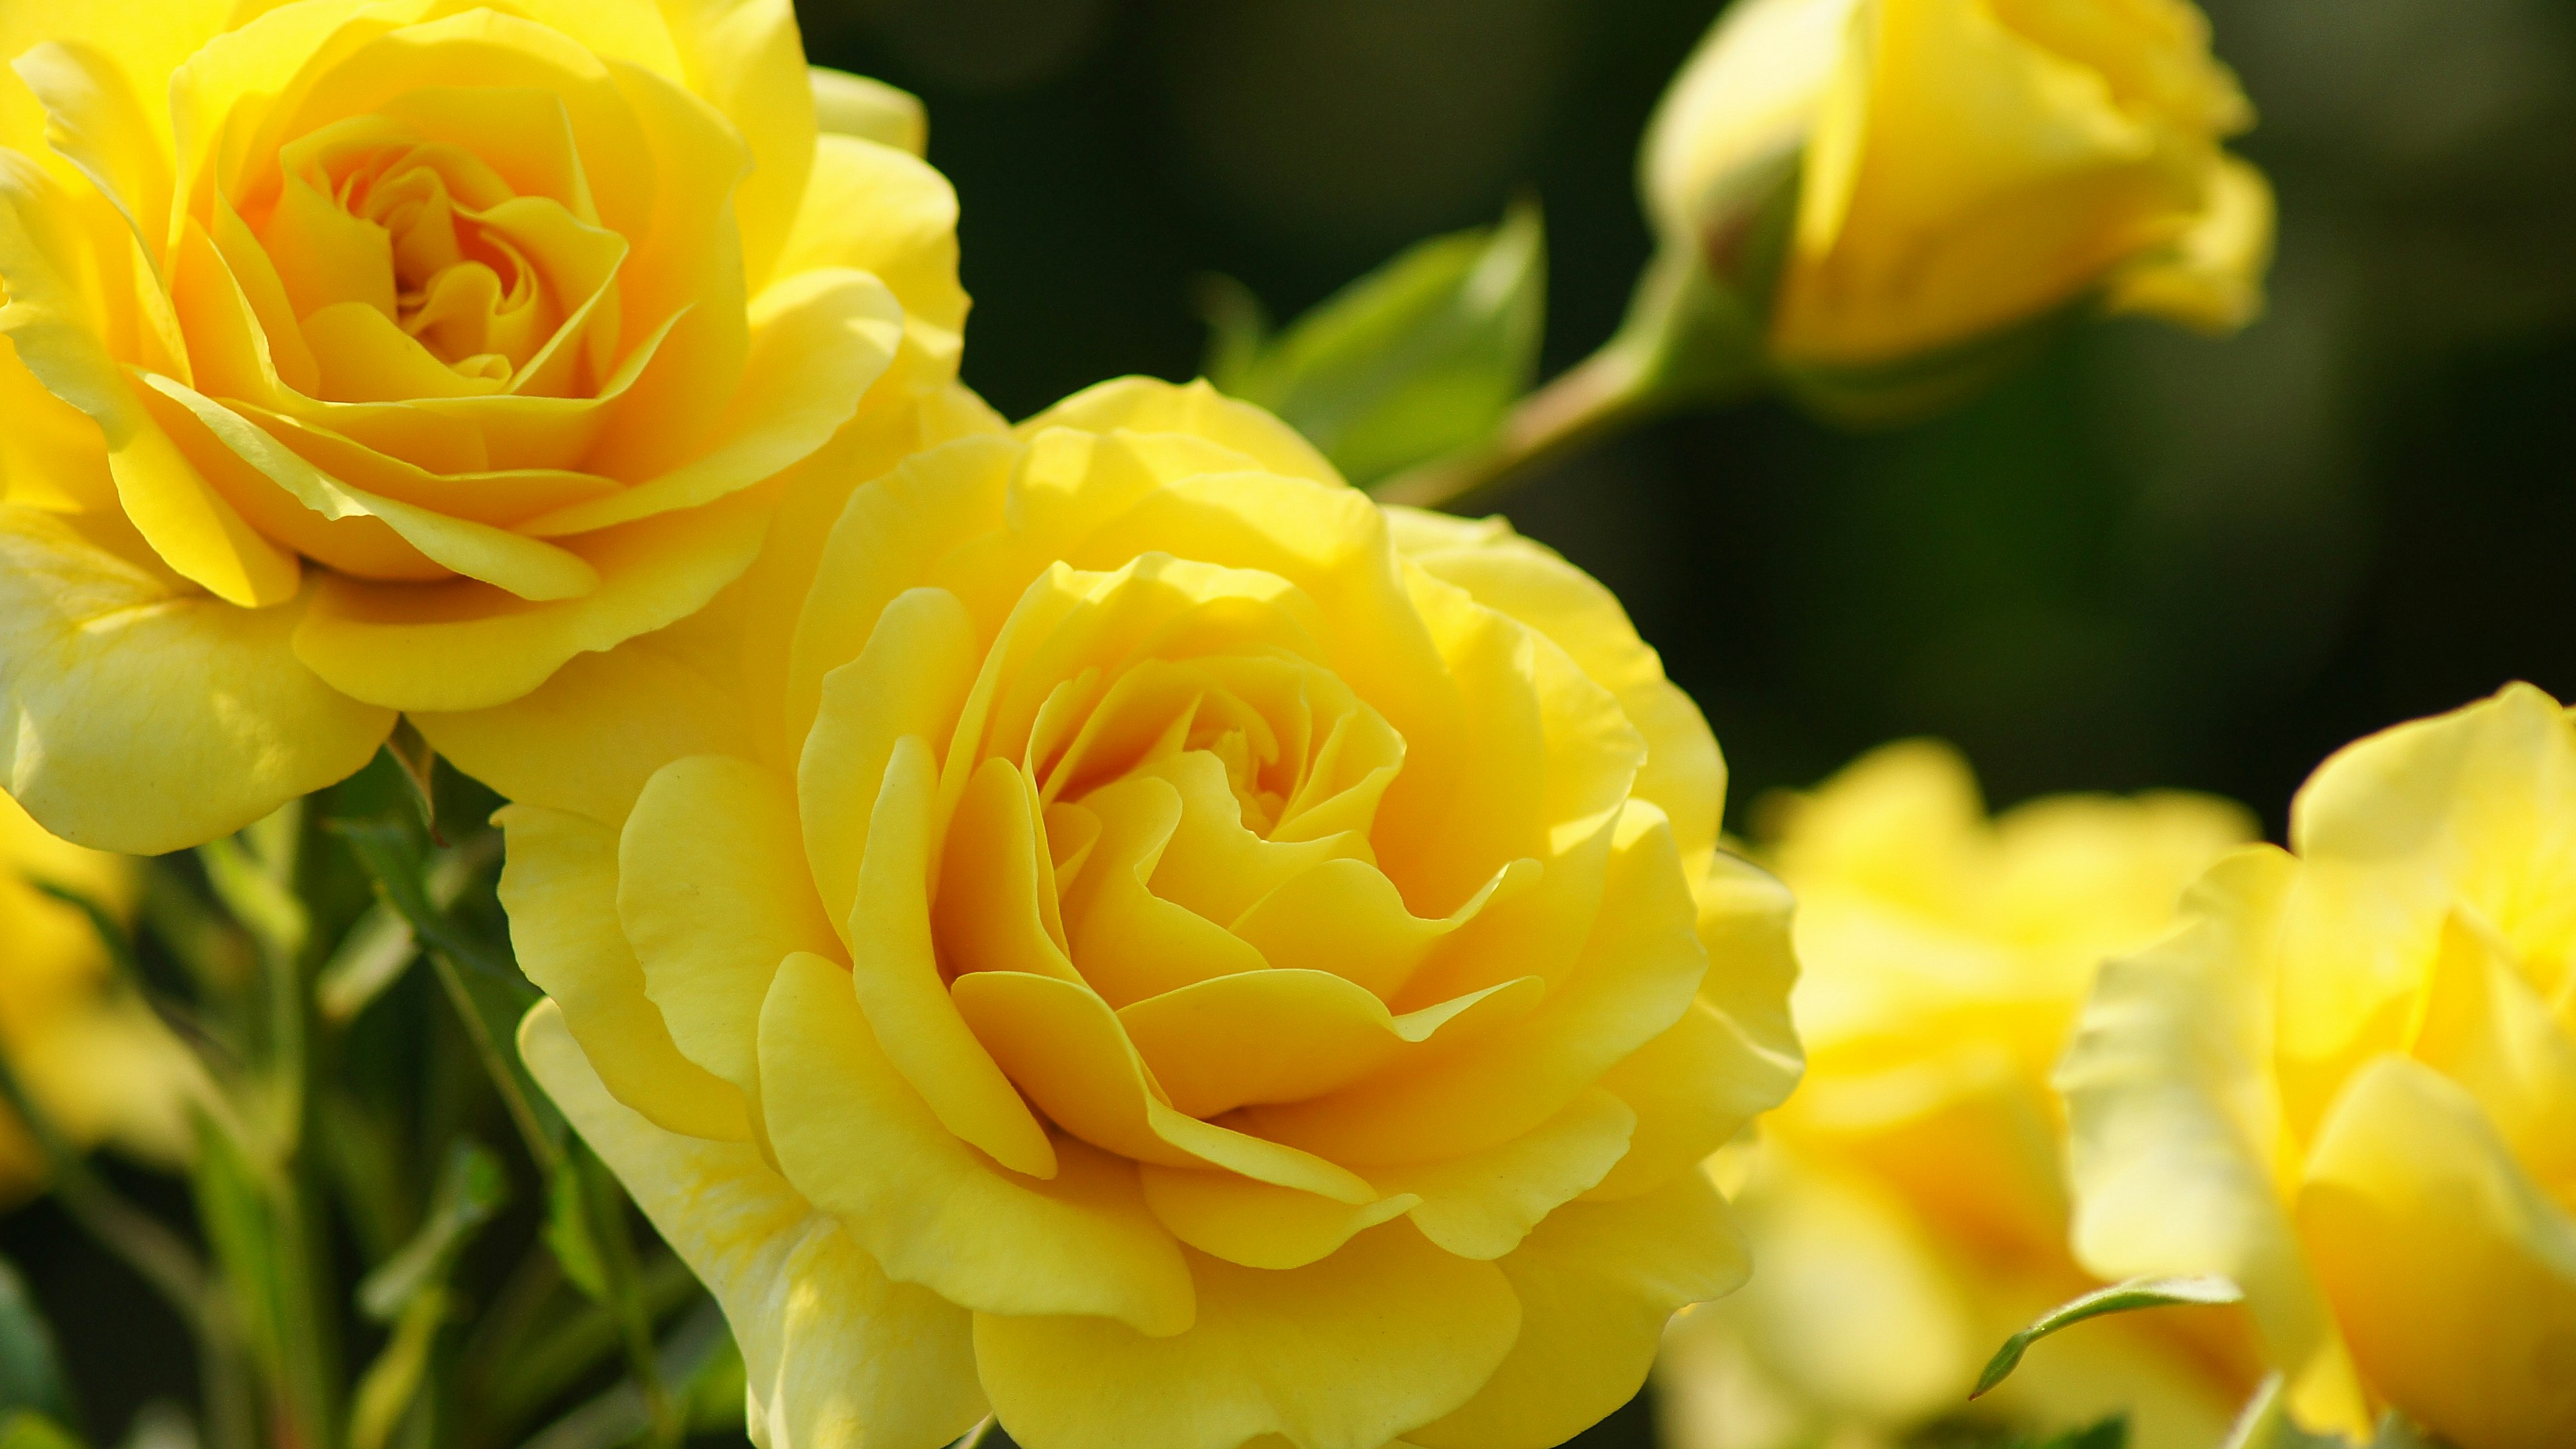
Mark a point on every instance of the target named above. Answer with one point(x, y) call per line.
point(2148, 560)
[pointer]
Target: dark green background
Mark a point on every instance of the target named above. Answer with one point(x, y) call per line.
point(2150, 560)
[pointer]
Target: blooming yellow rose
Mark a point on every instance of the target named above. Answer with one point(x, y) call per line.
point(1180, 956)
point(1906, 1205)
point(94, 1058)
point(362, 357)
point(2348, 1081)
point(1962, 166)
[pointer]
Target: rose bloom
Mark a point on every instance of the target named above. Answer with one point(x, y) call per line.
point(1907, 1205)
point(365, 357)
point(2348, 1082)
point(91, 1054)
point(1954, 168)
point(1173, 954)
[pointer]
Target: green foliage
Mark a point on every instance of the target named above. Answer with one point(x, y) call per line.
point(1420, 358)
point(2126, 1297)
point(31, 1370)
point(27, 1429)
point(470, 1191)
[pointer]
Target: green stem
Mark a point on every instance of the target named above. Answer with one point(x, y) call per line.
point(622, 1279)
point(1686, 342)
point(547, 1153)
point(158, 1256)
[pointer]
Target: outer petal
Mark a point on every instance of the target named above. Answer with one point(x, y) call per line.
point(464, 645)
point(862, 106)
point(858, 1141)
point(190, 526)
point(587, 739)
point(712, 890)
point(838, 1355)
point(143, 716)
point(1530, 582)
point(1346, 1353)
point(874, 207)
point(559, 884)
point(2212, 278)
point(1596, 1283)
point(2176, 1125)
point(2453, 1274)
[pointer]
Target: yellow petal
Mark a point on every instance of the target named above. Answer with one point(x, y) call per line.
point(711, 890)
point(1963, 177)
point(527, 568)
point(587, 739)
point(1064, 1047)
point(1145, 405)
point(868, 108)
point(1636, 979)
point(1283, 1035)
point(1483, 1205)
point(464, 645)
point(890, 528)
point(818, 339)
point(1533, 584)
point(51, 455)
point(192, 528)
point(911, 679)
point(559, 884)
point(1345, 1353)
point(857, 1141)
point(873, 207)
point(144, 716)
point(2485, 1028)
point(1732, 121)
point(148, 38)
point(1257, 1224)
point(836, 1355)
point(996, 904)
point(2212, 276)
point(2175, 1126)
point(2453, 1275)
point(94, 120)
point(895, 968)
point(745, 58)
point(1692, 1089)
point(1596, 1283)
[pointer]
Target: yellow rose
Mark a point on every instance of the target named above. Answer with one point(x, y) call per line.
point(1180, 956)
point(1960, 167)
point(2348, 1081)
point(1906, 1204)
point(363, 357)
point(94, 1058)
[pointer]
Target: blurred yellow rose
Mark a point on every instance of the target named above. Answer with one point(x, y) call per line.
point(2348, 1081)
point(1906, 1206)
point(362, 357)
point(1957, 167)
point(94, 1057)
point(1179, 955)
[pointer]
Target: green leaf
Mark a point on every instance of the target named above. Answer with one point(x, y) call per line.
point(394, 1379)
point(1420, 358)
point(568, 1232)
point(419, 765)
point(2126, 1297)
point(470, 1191)
point(372, 956)
point(2110, 1433)
point(27, 1429)
point(31, 1368)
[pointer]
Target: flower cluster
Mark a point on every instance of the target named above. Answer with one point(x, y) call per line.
point(1099, 925)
